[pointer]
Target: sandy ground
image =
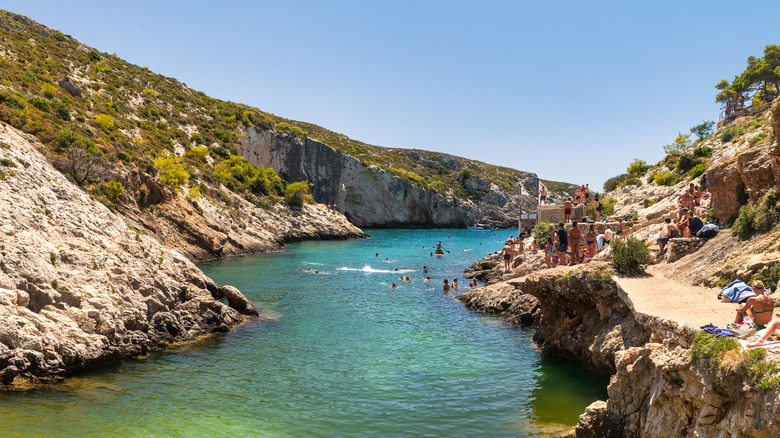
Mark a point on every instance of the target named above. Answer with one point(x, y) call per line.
point(661, 297)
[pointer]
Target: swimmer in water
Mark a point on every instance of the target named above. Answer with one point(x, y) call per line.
point(393, 286)
point(446, 285)
point(473, 282)
point(427, 279)
point(455, 283)
point(425, 269)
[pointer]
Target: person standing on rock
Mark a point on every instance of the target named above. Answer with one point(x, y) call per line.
point(542, 195)
point(575, 234)
point(586, 192)
point(507, 253)
point(599, 208)
point(567, 210)
point(563, 243)
point(549, 252)
point(590, 239)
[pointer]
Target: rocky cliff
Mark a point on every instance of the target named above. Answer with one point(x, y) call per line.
point(79, 287)
point(371, 197)
point(655, 388)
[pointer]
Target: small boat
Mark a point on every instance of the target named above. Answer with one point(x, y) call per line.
point(481, 227)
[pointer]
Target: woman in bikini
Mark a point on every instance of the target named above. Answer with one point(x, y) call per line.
point(759, 307)
point(590, 239)
point(575, 234)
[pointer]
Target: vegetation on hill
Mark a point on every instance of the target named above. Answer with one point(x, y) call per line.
point(94, 111)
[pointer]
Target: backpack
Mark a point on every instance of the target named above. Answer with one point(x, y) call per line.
point(707, 231)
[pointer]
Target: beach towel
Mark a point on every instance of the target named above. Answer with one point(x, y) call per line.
point(736, 292)
point(769, 345)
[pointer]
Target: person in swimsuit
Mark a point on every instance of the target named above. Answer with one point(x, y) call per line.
point(575, 234)
point(590, 239)
point(446, 285)
point(507, 253)
point(563, 243)
point(455, 283)
point(599, 208)
point(567, 210)
point(685, 201)
point(682, 223)
point(671, 233)
point(439, 249)
point(543, 196)
point(586, 191)
point(759, 307)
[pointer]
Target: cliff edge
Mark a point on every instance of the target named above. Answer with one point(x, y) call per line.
point(79, 287)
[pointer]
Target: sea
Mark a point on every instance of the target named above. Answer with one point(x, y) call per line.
point(337, 352)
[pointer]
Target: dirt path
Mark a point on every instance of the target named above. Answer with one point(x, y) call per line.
point(681, 303)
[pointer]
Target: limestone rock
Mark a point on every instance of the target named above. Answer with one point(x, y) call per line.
point(238, 301)
point(70, 87)
point(680, 247)
point(371, 197)
point(77, 286)
point(502, 299)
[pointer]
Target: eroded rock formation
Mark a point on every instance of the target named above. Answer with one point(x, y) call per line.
point(78, 286)
point(371, 197)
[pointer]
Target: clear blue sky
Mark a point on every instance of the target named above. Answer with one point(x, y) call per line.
point(571, 90)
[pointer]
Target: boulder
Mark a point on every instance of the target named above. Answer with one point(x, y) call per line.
point(70, 87)
point(237, 301)
point(679, 247)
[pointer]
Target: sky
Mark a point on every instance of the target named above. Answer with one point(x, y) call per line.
point(573, 91)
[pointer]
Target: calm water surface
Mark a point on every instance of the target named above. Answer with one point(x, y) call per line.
point(340, 354)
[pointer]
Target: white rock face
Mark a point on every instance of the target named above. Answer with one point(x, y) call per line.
point(77, 285)
point(371, 197)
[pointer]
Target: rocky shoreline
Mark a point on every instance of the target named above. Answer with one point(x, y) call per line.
point(81, 285)
point(583, 314)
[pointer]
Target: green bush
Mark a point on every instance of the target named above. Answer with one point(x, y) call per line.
point(756, 217)
point(708, 349)
point(638, 167)
point(631, 181)
point(687, 162)
point(630, 257)
point(598, 279)
point(703, 152)
point(647, 202)
point(770, 276)
point(172, 171)
point(296, 193)
point(665, 179)
point(612, 183)
point(41, 104)
point(696, 171)
point(543, 231)
point(730, 133)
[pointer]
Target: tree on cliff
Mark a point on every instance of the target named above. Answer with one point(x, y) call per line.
point(759, 82)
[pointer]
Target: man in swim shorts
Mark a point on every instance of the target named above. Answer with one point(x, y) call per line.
point(507, 253)
point(543, 196)
point(567, 210)
point(563, 243)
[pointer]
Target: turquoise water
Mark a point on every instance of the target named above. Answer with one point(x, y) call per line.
point(340, 355)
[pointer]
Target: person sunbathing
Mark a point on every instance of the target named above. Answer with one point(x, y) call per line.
point(759, 308)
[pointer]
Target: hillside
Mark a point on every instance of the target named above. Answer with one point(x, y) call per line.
point(94, 112)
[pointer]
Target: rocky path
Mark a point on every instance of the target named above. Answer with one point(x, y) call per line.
point(660, 297)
